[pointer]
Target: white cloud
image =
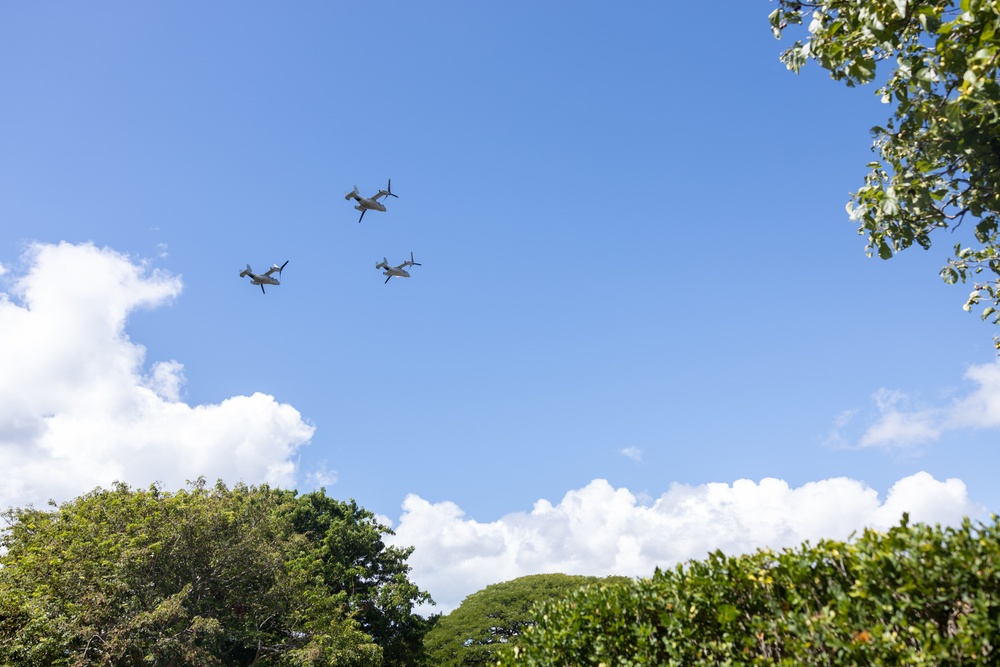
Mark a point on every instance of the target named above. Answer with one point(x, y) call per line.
point(600, 530)
point(633, 453)
point(77, 409)
point(901, 422)
point(981, 407)
point(320, 477)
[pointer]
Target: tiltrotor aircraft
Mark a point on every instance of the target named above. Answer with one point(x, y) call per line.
point(396, 270)
point(370, 203)
point(263, 278)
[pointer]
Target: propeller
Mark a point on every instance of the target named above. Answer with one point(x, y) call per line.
point(363, 210)
point(389, 191)
point(262, 289)
point(282, 267)
point(412, 263)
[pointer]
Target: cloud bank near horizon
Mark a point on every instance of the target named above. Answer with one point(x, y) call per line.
point(599, 530)
point(79, 408)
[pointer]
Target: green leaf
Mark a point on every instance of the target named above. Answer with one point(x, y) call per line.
point(953, 112)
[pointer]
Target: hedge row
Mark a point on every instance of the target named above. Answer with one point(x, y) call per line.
point(915, 595)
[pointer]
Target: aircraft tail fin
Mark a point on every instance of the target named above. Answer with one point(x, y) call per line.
point(246, 272)
point(353, 193)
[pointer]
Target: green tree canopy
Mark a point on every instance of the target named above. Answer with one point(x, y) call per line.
point(344, 550)
point(915, 595)
point(937, 160)
point(204, 576)
point(494, 618)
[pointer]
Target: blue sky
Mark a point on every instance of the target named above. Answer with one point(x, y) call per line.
point(638, 278)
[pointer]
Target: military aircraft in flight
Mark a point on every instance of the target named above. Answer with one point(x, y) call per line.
point(263, 278)
point(372, 203)
point(399, 270)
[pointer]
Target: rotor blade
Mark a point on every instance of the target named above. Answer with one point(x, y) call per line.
point(363, 211)
point(262, 288)
point(387, 279)
point(389, 191)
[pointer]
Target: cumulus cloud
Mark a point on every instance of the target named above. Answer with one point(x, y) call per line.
point(900, 421)
point(78, 407)
point(600, 530)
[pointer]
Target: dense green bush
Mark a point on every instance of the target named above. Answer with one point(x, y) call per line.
point(915, 595)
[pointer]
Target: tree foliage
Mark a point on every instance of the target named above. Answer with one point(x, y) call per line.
point(344, 550)
point(495, 618)
point(915, 595)
point(938, 155)
point(204, 576)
